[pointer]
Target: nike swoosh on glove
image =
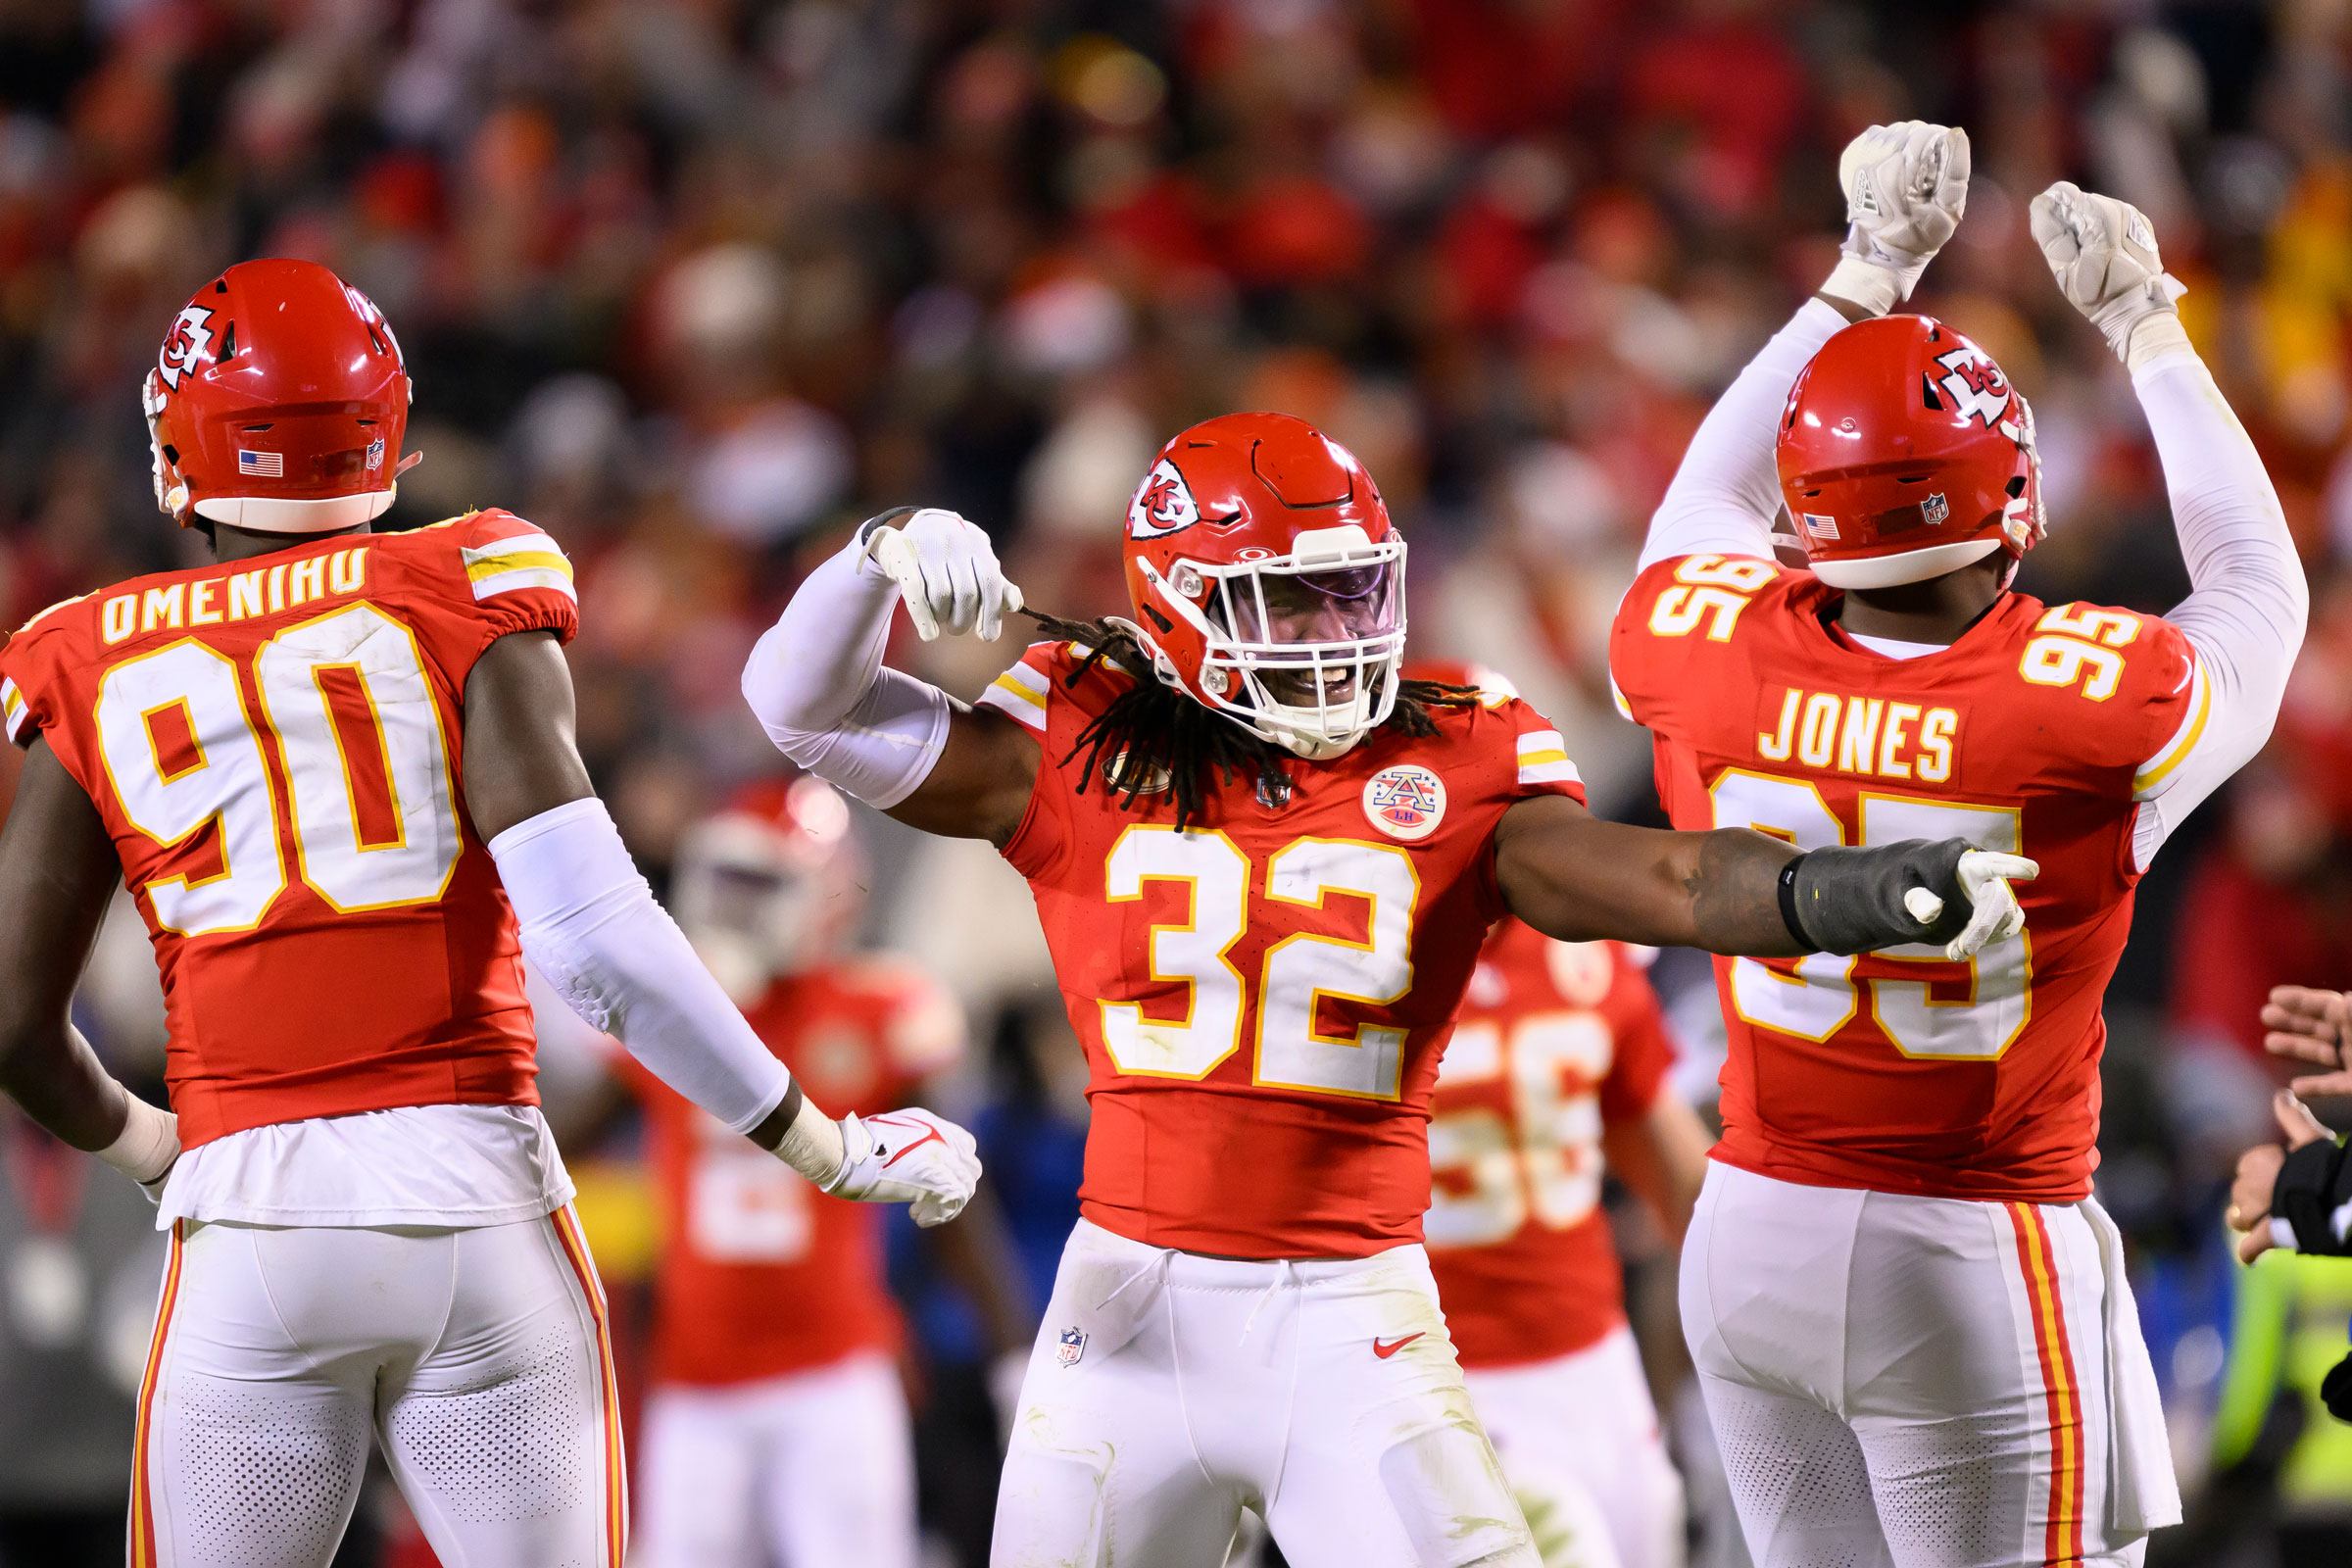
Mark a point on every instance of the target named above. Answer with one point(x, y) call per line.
point(907, 1157)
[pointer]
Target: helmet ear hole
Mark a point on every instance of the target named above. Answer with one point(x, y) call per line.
point(2016, 485)
point(1926, 392)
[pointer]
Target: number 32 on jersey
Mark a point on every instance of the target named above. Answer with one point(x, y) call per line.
point(1982, 1004)
point(1301, 971)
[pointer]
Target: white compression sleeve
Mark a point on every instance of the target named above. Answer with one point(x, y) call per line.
point(1728, 489)
point(2246, 612)
point(817, 683)
point(591, 925)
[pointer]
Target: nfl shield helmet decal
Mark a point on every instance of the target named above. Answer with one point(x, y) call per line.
point(1072, 1347)
point(1405, 801)
point(1163, 504)
point(1935, 509)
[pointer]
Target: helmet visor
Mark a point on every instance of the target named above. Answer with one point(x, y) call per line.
point(1274, 609)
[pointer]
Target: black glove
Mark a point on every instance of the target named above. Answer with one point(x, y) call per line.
point(2313, 1184)
point(1854, 901)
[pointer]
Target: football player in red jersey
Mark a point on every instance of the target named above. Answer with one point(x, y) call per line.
point(1910, 1320)
point(337, 770)
point(1559, 1055)
point(1264, 863)
point(776, 1428)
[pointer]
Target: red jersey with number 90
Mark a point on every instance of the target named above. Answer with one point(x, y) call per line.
point(1263, 997)
point(275, 746)
point(1557, 1042)
point(2037, 732)
point(762, 1274)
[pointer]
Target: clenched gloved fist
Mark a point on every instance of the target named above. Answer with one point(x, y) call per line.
point(1905, 185)
point(907, 1157)
point(1857, 901)
point(2103, 254)
point(945, 569)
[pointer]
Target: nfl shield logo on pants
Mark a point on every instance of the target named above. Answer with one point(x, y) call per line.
point(1072, 1346)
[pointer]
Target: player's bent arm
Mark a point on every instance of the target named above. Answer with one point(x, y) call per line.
point(1577, 879)
point(1662, 1159)
point(819, 688)
point(58, 870)
point(591, 925)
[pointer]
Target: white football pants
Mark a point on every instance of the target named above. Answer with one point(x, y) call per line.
point(1578, 1442)
point(803, 1471)
point(1904, 1382)
point(478, 1359)
point(1167, 1392)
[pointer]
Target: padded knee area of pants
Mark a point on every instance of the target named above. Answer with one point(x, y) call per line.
point(1451, 1494)
point(262, 1480)
point(510, 1447)
point(1049, 1510)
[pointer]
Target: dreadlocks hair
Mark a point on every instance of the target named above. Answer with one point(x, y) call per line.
point(1154, 737)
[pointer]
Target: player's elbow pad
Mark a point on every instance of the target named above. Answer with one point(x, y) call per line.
point(591, 925)
point(879, 751)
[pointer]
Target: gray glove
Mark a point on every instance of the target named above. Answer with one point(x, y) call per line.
point(1850, 901)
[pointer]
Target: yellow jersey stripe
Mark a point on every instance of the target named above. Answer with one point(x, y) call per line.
point(520, 560)
point(2157, 772)
point(1006, 683)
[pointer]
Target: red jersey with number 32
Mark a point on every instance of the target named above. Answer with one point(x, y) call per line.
point(2037, 732)
point(1556, 1042)
point(1263, 997)
point(762, 1274)
point(275, 746)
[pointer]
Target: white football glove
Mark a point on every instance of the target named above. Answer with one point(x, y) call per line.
point(1995, 916)
point(1905, 185)
point(907, 1157)
point(945, 569)
point(2103, 254)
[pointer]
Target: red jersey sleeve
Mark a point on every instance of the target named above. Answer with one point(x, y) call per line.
point(519, 577)
point(29, 668)
point(1039, 693)
point(1544, 765)
point(1672, 625)
point(1644, 1045)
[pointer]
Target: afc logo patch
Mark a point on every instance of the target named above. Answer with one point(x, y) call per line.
point(1072, 1347)
point(1405, 801)
point(1163, 504)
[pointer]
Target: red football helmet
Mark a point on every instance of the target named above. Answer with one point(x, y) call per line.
point(277, 404)
point(1905, 454)
point(770, 884)
point(1268, 582)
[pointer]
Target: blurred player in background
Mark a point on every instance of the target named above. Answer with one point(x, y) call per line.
point(1265, 863)
point(1560, 1056)
point(338, 771)
point(1910, 1321)
point(776, 1431)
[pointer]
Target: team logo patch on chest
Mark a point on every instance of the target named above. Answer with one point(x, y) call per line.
point(1405, 801)
point(1072, 1347)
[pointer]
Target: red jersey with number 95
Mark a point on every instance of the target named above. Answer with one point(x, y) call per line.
point(2039, 732)
point(1556, 1042)
point(1264, 996)
point(276, 746)
point(762, 1274)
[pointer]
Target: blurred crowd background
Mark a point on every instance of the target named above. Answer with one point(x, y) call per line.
point(696, 284)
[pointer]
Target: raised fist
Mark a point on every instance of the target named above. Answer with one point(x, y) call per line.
point(1905, 186)
point(2103, 254)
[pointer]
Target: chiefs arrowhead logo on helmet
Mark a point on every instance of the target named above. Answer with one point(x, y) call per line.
point(185, 346)
point(1163, 504)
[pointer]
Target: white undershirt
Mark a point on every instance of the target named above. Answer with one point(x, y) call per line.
point(1892, 648)
point(450, 1167)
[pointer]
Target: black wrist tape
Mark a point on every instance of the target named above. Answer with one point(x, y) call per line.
point(2309, 1190)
